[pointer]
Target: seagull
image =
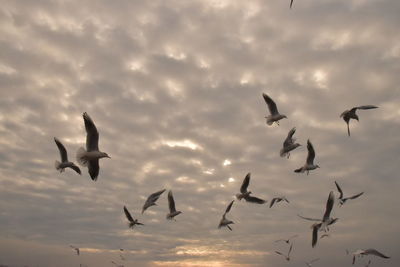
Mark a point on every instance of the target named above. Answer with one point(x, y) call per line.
point(90, 157)
point(291, 3)
point(277, 200)
point(224, 221)
point(326, 219)
point(171, 203)
point(246, 194)
point(275, 116)
point(132, 222)
point(289, 144)
point(60, 166)
point(342, 199)
point(286, 240)
point(76, 249)
point(370, 251)
point(287, 257)
point(309, 165)
point(151, 200)
point(309, 264)
point(351, 114)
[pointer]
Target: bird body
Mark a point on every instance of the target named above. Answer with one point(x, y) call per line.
point(151, 200)
point(90, 157)
point(171, 204)
point(224, 222)
point(132, 222)
point(274, 116)
point(289, 144)
point(309, 165)
point(370, 251)
point(246, 194)
point(65, 163)
point(347, 115)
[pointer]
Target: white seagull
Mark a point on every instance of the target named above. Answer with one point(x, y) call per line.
point(273, 110)
point(342, 199)
point(287, 257)
point(289, 144)
point(78, 252)
point(224, 221)
point(171, 204)
point(309, 165)
point(246, 194)
point(90, 157)
point(370, 251)
point(309, 264)
point(326, 219)
point(151, 200)
point(132, 222)
point(277, 200)
point(351, 114)
point(286, 240)
point(60, 166)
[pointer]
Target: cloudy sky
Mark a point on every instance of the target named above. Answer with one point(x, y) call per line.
point(175, 89)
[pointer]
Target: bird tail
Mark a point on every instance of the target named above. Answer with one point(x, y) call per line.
point(57, 165)
point(80, 157)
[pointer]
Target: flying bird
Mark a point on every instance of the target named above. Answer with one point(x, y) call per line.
point(287, 257)
point(132, 222)
point(309, 165)
point(370, 251)
point(351, 114)
point(90, 157)
point(309, 264)
point(286, 240)
point(325, 222)
point(289, 144)
point(113, 262)
point(246, 194)
point(60, 166)
point(151, 200)
point(342, 199)
point(273, 110)
point(78, 252)
point(224, 221)
point(277, 200)
point(171, 203)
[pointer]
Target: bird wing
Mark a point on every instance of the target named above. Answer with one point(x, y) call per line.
point(63, 151)
point(314, 260)
point(92, 135)
point(315, 234)
point(128, 215)
point(272, 202)
point(290, 249)
point(229, 207)
point(309, 219)
point(372, 251)
point(293, 237)
point(245, 184)
point(329, 206)
point(154, 197)
point(277, 252)
point(93, 166)
point(291, 3)
point(289, 139)
point(339, 189)
point(271, 104)
point(311, 153)
point(366, 107)
point(255, 200)
point(171, 202)
point(355, 196)
point(76, 168)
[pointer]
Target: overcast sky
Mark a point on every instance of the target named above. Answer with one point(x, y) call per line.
point(175, 90)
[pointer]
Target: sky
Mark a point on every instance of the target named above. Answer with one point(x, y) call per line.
point(175, 90)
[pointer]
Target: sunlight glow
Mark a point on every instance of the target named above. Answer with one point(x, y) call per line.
point(183, 143)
